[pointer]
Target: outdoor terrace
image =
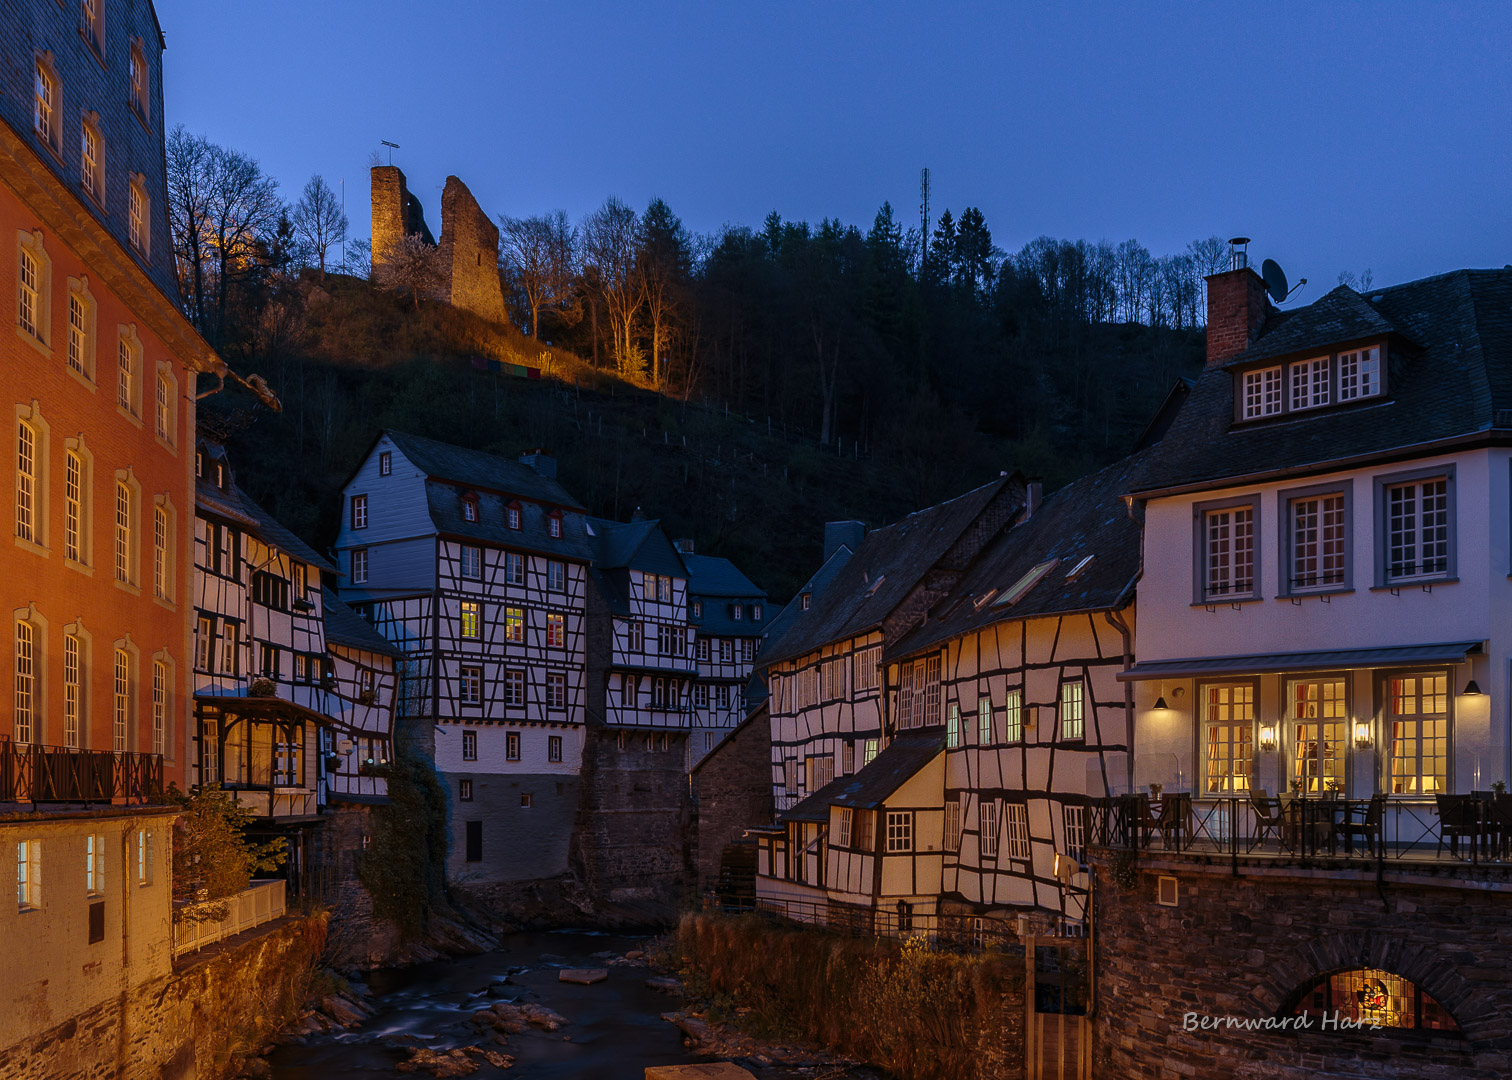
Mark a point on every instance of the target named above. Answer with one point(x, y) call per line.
point(32, 773)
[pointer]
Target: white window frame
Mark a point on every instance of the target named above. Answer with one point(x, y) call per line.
point(26, 668)
point(515, 688)
point(81, 348)
point(1016, 827)
point(1360, 373)
point(1263, 393)
point(1228, 708)
point(1388, 571)
point(138, 214)
point(514, 625)
point(1239, 518)
point(122, 700)
point(34, 290)
point(469, 746)
point(471, 562)
point(73, 689)
point(1013, 716)
point(1310, 384)
point(953, 726)
point(359, 566)
point(470, 684)
point(900, 828)
point(1072, 710)
point(161, 680)
point(29, 875)
point(1316, 540)
point(47, 106)
point(987, 828)
point(359, 510)
point(470, 621)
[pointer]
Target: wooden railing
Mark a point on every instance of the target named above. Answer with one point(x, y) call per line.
point(30, 773)
point(260, 903)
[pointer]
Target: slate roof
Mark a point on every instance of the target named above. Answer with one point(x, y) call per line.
point(236, 505)
point(887, 565)
point(482, 470)
point(343, 626)
point(709, 575)
point(870, 786)
point(1449, 377)
point(444, 500)
point(780, 622)
point(619, 547)
point(1086, 517)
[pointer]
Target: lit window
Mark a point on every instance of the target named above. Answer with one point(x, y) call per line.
point(73, 688)
point(1368, 998)
point(159, 705)
point(953, 726)
point(1229, 552)
point(121, 696)
point(26, 481)
point(899, 830)
point(556, 631)
point(136, 216)
point(870, 753)
point(514, 625)
point(1320, 725)
point(359, 566)
point(1013, 717)
point(1417, 529)
point(1072, 710)
point(472, 620)
point(26, 682)
point(1228, 734)
point(1318, 533)
point(1262, 392)
point(1419, 721)
point(45, 111)
point(984, 721)
point(124, 524)
point(359, 511)
point(1359, 374)
point(1309, 384)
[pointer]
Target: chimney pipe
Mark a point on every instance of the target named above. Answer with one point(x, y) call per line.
point(1034, 494)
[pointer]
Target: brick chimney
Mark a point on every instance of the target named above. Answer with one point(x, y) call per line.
point(1236, 306)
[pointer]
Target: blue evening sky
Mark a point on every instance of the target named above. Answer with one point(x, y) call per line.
point(1338, 135)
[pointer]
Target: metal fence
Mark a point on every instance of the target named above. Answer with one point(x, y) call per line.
point(31, 773)
point(1472, 829)
point(260, 903)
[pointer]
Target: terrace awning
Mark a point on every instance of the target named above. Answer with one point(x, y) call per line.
point(1453, 652)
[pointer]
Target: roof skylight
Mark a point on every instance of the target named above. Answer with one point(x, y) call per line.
point(1022, 586)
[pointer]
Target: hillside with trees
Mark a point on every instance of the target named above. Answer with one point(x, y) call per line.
point(744, 386)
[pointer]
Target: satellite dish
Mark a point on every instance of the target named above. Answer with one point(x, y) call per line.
point(1275, 280)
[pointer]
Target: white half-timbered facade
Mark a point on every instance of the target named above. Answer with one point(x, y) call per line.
point(475, 567)
point(729, 616)
point(363, 673)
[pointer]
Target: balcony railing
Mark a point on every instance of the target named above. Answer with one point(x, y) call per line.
point(1459, 829)
point(30, 773)
point(261, 902)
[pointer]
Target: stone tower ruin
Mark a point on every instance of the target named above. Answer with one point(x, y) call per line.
point(396, 213)
point(470, 254)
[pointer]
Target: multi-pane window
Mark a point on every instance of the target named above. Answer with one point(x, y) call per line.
point(45, 106)
point(121, 700)
point(1229, 551)
point(556, 575)
point(1074, 822)
point(1317, 541)
point(869, 752)
point(514, 688)
point(723, 696)
point(163, 412)
point(359, 566)
point(1359, 374)
point(831, 673)
point(702, 650)
point(472, 620)
point(747, 650)
point(268, 655)
point(919, 693)
point(229, 649)
point(512, 746)
point(843, 826)
point(204, 640)
point(1262, 392)
point(1309, 384)
point(554, 526)
point(29, 874)
point(464, 790)
point(123, 528)
point(93, 26)
point(469, 508)
point(469, 746)
point(159, 705)
point(146, 856)
point(553, 748)
point(385, 463)
point(953, 726)
point(512, 515)
point(29, 295)
point(73, 689)
point(26, 481)
point(900, 830)
point(848, 756)
point(359, 511)
point(1073, 723)
point(556, 631)
point(868, 668)
point(727, 656)
point(1320, 724)
point(984, 721)
point(514, 625)
point(78, 335)
point(514, 568)
point(89, 160)
point(26, 682)
point(987, 828)
point(953, 824)
point(1013, 716)
point(1419, 734)
point(637, 636)
point(1228, 732)
point(94, 864)
point(136, 216)
point(127, 364)
point(138, 75)
point(472, 561)
point(73, 507)
point(701, 695)
point(162, 574)
point(1016, 825)
point(470, 685)
point(1417, 529)
point(556, 690)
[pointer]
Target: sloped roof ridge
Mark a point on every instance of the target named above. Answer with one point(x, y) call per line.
point(438, 459)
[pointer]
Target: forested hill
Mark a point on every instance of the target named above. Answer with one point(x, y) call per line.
point(743, 387)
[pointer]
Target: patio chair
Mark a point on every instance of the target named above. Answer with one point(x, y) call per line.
point(1501, 824)
point(1175, 819)
point(1457, 820)
point(1269, 818)
point(1368, 829)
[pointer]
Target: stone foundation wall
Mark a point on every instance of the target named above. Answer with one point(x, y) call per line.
point(733, 790)
point(195, 1024)
point(358, 939)
point(1247, 946)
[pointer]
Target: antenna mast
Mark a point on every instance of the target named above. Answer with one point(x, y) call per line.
point(923, 216)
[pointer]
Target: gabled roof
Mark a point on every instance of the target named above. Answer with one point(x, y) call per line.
point(719, 585)
point(709, 575)
point(444, 500)
point(1340, 316)
point(779, 623)
point(343, 626)
point(884, 569)
point(479, 469)
point(1084, 518)
point(869, 787)
point(1449, 381)
point(620, 547)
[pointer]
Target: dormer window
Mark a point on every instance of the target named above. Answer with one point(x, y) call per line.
point(755, 612)
point(512, 515)
point(804, 601)
point(554, 524)
point(735, 611)
point(1262, 392)
point(1359, 374)
point(470, 507)
point(698, 609)
point(1309, 384)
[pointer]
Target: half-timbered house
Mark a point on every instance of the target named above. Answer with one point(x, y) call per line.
point(729, 616)
point(476, 568)
point(363, 673)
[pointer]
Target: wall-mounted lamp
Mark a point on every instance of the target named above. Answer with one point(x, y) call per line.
point(1268, 738)
point(1362, 738)
point(1160, 703)
point(1472, 689)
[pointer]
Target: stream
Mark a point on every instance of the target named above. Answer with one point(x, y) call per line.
point(615, 1028)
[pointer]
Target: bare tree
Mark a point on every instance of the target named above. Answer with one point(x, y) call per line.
point(540, 254)
point(221, 206)
point(411, 267)
point(611, 245)
point(318, 220)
